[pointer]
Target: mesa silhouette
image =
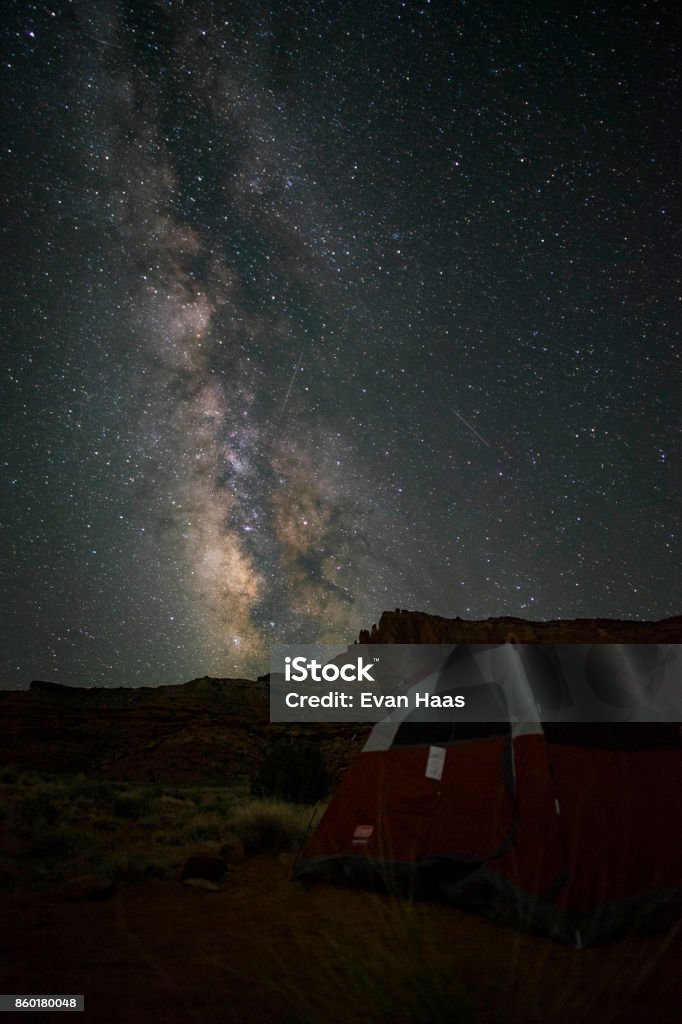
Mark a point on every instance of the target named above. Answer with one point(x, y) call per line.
point(211, 728)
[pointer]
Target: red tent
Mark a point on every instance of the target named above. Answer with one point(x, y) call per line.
point(570, 829)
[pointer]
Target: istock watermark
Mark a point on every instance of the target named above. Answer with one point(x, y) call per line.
point(582, 683)
point(301, 670)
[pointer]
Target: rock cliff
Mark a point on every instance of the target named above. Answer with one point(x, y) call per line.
point(406, 627)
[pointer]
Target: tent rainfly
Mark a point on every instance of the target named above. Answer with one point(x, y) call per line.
point(561, 827)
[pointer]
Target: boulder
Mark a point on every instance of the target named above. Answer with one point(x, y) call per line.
point(202, 883)
point(203, 865)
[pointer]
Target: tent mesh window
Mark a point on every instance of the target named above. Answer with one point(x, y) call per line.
point(413, 734)
point(615, 735)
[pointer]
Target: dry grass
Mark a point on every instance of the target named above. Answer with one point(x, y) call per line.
point(266, 826)
point(55, 827)
point(392, 972)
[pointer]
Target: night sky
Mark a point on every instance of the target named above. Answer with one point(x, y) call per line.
point(313, 310)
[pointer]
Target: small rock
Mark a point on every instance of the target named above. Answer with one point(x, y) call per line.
point(202, 883)
point(203, 865)
point(88, 887)
point(232, 850)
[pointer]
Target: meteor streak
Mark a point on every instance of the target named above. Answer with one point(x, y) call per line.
point(472, 429)
point(291, 384)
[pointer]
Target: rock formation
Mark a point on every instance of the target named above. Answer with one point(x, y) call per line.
point(405, 627)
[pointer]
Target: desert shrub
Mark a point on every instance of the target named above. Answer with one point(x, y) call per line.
point(28, 779)
point(180, 795)
point(92, 790)
point(104, 823)
point(37, 810)
point(132, 806)
point(56, 842)
point(124, 868)
point(217, 804)
point(294, 771)
point(204, 827)
point(266, 826)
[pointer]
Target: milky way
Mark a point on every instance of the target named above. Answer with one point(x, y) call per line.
point(324, 309)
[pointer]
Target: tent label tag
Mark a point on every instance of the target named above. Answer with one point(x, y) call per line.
point(362, 833)
point(435, 763)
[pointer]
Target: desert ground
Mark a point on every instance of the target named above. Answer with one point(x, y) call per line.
point(263, 950)
point(259, 947)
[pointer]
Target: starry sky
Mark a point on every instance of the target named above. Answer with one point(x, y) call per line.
point(317, 309)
